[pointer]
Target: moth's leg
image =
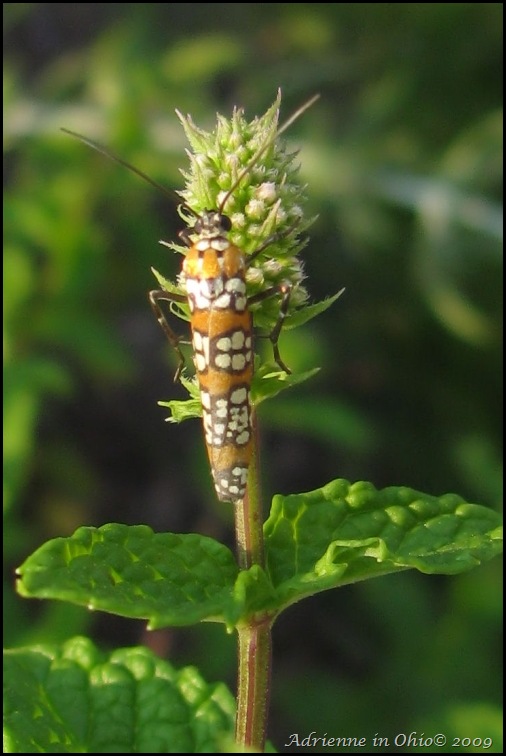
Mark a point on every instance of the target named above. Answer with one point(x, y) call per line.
point(285, 290)
point(155, 297)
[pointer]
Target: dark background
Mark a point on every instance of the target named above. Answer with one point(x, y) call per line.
point(402, 156)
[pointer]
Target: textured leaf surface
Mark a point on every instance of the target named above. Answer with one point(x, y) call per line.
point(346, 532)
point(73, 699)
point(315, 541)
point(165, 578)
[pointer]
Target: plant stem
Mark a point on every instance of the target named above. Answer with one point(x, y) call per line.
point(253, 686)
point(254, 638)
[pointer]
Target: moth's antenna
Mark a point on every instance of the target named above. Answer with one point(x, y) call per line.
point(104, 151)
point(265, 147)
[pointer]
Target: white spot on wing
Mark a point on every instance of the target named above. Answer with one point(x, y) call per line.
point(200, 362)
point(222, 361)
point(223, 302)
point(238, 362)
point(239, 395)
point(237, 340)
point(224, 344)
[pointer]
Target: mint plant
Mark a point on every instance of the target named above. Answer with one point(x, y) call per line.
point(73, 698)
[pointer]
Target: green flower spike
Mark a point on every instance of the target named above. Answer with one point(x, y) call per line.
point(268, 202)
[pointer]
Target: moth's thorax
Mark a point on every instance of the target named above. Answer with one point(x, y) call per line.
point(212, 257)
point(214, 276)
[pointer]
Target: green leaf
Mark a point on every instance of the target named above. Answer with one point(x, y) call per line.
point(184, 409)
point(307, 313)
point(74, 699)
point(344, 532)
point(254, 592)
point(335, 535)
point(165, 578)
point(269, 380)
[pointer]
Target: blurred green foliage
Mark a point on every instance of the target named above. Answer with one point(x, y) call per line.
point(403, 157)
